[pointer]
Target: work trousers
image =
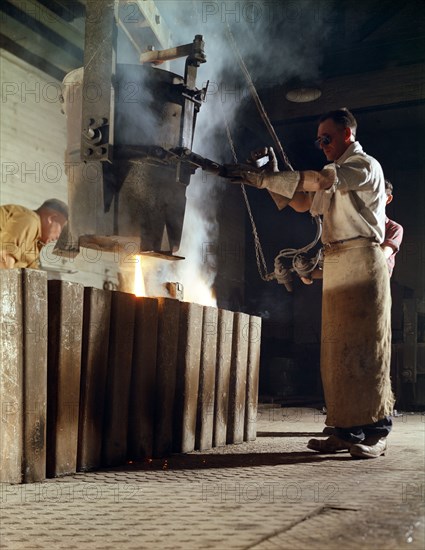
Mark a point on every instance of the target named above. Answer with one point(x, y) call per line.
point(356, 434)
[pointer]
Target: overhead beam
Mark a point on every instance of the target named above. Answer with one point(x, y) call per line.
point(156, 22)
point(30, 40)
point(396, 85)
point(69, 10)
point(139, 15)
point(369, 56)
point(34, 60)
point(35, 13)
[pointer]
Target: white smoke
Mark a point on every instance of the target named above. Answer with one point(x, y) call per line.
point(278, 41)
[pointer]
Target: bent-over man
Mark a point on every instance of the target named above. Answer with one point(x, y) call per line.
point(23, 232)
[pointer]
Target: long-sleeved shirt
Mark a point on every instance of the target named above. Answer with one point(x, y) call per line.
point(355, 204)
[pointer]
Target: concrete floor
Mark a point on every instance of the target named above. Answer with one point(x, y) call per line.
point(266, 495)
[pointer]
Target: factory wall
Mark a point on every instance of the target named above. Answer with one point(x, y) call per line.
point(404, 165)
point(33, 135)
point(33, 143)
point(32, 147)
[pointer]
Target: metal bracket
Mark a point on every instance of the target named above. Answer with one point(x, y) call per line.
point(99, 71)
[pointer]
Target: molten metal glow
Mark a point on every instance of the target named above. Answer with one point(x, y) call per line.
point(200, 293)
point(139, 283)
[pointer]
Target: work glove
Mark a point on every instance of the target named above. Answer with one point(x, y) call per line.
point(264, 158)
point(261, 162)
point(270, 166)
point(245, 173)
point(281, 183)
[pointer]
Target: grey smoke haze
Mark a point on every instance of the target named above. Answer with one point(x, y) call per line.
point(278, 41)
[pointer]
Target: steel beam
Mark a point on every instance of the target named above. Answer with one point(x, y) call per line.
point(99, 70)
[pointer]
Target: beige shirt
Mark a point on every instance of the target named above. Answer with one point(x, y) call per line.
point(20, 233)
point(355, 205)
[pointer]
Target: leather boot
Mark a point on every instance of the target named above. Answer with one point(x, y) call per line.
point(371, 447)
point(329, 430)
point(330, 445)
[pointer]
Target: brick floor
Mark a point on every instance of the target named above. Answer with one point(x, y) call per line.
point(264, 495)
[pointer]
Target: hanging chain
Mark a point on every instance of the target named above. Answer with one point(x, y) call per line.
point(298, 261)
point(259, 255)
point(258, 101)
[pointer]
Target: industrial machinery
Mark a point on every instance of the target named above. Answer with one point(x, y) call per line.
point(129, 158)
point(130, 132)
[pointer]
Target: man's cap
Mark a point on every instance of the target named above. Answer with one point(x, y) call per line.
point(57, 205)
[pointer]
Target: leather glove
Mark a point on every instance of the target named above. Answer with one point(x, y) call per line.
point(264, 158)
point(253, 173)
point(271, 166)
point(244, 173)
point(281, 185)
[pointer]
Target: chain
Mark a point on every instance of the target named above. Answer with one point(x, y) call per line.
point(295, 254)
point(258, 101)
point(259, 255)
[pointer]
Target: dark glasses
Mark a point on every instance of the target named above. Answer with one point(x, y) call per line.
point(322, 140)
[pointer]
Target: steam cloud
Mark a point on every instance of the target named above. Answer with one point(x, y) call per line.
point(278, 41)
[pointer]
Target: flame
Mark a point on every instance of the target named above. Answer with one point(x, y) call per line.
point(195, 288)
point(199, 292)
point(139, 283)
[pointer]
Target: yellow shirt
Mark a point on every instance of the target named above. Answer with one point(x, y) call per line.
point(20, 234)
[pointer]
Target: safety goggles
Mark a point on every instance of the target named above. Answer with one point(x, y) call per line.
point(322, 140)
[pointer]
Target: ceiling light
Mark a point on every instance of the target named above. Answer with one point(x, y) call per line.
point(303, 95)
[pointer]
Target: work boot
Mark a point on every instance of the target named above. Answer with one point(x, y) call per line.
point(371, 447)
point(329, 430)
point(330, 445)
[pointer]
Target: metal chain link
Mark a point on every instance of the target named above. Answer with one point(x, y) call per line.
point(258, 101)
point(259, 255)
point(295, 254)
